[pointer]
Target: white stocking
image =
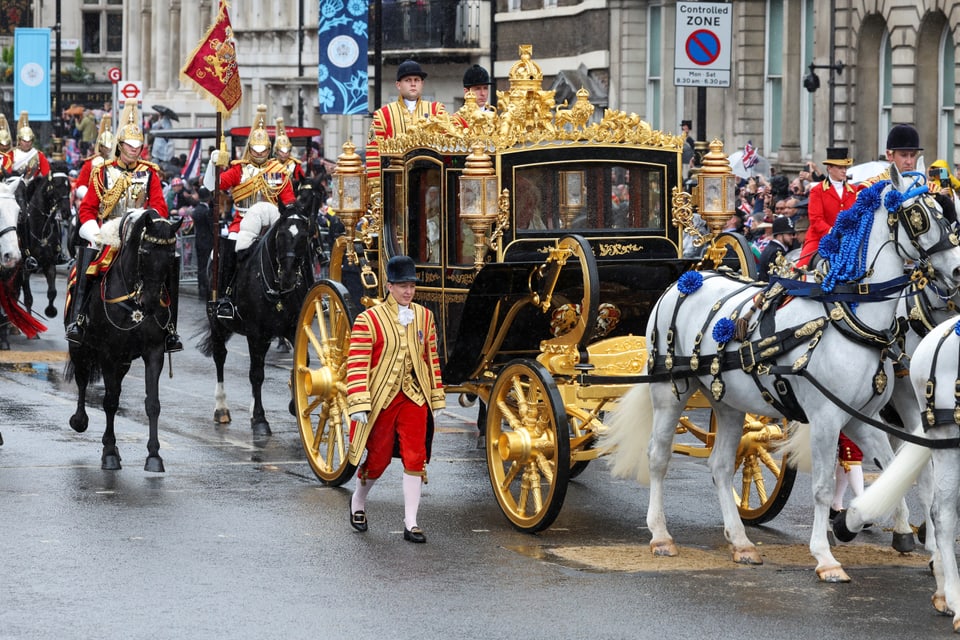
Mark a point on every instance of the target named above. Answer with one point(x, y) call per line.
point(411, 499)
point(359, 500)
point(855, 477)
point(841, 488)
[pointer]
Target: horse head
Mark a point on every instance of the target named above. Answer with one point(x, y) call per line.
point(59, 190)
point(149, 250)
point(9, 215)
point(291, 246)
point(917, 224)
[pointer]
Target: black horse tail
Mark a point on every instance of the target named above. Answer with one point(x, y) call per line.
point(205, 343)
point(93, 371)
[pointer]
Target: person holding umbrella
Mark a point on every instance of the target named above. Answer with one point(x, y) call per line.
point(162, 149)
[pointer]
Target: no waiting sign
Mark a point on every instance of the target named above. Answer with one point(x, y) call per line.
point(704, 36)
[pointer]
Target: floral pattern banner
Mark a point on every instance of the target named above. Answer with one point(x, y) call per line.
point(15, 13)
point(342, 74)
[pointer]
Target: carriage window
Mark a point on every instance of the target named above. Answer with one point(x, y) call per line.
point(423, 214)
point(585, 196)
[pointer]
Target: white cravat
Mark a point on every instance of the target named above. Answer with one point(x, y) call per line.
point(410, 104)
point(838, 187)
point(405, 315)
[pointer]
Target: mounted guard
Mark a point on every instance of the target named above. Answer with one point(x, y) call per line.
point(28, 161)
point(6, 148)
point(117, 187)
point(282, 147)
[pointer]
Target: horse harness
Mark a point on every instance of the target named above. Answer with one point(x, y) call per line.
point(272, 286)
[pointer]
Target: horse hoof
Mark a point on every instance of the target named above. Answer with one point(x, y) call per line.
point(664, 548)
point(154, 464)
point(261, 429)
point(940, 604)
point(832, 574)
point(292, 408)
point(747, 555)
point(4, 346)
point(111, 462)
point(50, 312)
point(221, 416)
point(840, 530)
point(79, 424)
point(903, 542)
point(922, 533)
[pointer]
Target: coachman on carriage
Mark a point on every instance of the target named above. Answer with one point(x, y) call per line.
point(540, 280)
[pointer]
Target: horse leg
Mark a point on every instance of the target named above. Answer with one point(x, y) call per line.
point(221, 413)
point(258, 350)
point(946, 470)
point(153, 361)
point(112, 379)
point(722, 463)
point(823, 443)
point(79, 421)
point(4, 342)
point(51, 273)
point(26, 291)
point(665, 416)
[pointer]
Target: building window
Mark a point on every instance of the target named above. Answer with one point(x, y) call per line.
point(806, 101)
point(513, 5)
point(549, 4)
point(102, 26)
point(654, 66)
point(773, 87)
point(947, 100)
point(886, 93)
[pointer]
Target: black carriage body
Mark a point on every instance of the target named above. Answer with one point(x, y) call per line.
point(616, 196)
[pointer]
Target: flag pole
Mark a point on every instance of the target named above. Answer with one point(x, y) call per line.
point(215, 213)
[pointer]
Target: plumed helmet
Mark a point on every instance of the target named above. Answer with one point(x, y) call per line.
point(401, 269)
point(5, 138)
point(259, 139)
point(410, 68)
point(24, 132)
point(475, 75)
point(105, 137)
point(282, 142)
point(903, 137)
point(129, 130)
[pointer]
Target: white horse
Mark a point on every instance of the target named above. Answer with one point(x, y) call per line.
point(9, 214)
point(800, 362)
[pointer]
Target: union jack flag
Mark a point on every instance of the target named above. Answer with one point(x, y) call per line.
point(750, 156)
point(192, 167)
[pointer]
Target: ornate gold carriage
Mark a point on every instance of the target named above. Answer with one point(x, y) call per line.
point(542, 236)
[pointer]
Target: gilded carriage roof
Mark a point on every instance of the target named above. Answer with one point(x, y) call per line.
point(526, 114)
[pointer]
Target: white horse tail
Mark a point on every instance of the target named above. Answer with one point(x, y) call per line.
point(796, 446)
point(884, 495)
point(628, 435)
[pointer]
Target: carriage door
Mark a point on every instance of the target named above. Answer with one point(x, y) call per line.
point(425, 234)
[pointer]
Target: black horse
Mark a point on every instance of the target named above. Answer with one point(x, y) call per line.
point(270, 286)
point(46, 204)
point(128, 320)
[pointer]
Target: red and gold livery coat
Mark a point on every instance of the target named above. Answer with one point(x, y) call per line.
point(391, 120)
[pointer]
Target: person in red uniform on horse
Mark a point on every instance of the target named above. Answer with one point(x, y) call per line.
point(124, 184)
point(255, 177)
point(6, 148)
point(28, 161)
point(282, 148)
point(826, 200)
point(104, 150)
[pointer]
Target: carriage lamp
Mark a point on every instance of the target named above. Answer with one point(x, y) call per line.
point(349, 187)
point(479, 203)
point(716, 194)
point(571, 196)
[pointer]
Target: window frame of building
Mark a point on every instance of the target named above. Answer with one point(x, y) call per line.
point(885, 111)
point(807, 54)
point(514, 5)
point(108, 14)
point(947, 100)
point(654, 65)
point(773, 78)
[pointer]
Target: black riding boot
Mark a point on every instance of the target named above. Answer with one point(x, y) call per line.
point(78, 307)
point(172, 343)
point(228, 270)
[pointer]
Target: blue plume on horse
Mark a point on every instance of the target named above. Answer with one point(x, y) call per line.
point(845, 247)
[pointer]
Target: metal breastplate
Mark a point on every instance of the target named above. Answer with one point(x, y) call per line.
point(133, 197)
point(271, 179)
point(25, 161)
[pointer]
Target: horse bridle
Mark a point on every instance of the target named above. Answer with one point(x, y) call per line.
point(267, 261)
point(137, 292)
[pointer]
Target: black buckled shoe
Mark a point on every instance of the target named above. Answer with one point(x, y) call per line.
point(414, 535)
point(172, 343)
point(358, 520)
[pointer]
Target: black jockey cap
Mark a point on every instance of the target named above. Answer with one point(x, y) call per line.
point(401, 269)
point(474, 76)
point(903, 137)
point(410, 68)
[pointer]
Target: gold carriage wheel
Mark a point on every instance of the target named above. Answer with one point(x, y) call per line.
point(319, 379)
point(528, 445)
point(583, 437)
point(762, 474)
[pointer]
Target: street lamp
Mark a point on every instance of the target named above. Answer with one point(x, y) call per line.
point(716, 195)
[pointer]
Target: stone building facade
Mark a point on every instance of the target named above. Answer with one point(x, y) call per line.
point(898, 64)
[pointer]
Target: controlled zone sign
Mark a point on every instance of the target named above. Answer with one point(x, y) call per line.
point(704, 36)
